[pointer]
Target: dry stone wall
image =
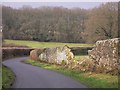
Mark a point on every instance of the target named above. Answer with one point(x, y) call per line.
point(58, 55)
point(10, 52)
point(105, 56)
point(34, 54)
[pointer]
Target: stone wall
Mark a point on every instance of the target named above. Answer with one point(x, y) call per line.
point(105, 56)
point(58, 55)
point(11, 52)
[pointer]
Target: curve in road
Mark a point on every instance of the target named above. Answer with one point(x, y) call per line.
point(28, 76)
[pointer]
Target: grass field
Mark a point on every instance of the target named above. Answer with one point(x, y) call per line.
point(92, 80)
point(81, 57)
point(35, 44)
point(7, 77)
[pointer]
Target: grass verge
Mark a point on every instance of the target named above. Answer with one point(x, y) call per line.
point(91, 80)
point(0, 77)
point(8, 77)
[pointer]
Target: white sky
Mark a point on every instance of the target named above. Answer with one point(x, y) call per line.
point(59, 0)
point(86, 4)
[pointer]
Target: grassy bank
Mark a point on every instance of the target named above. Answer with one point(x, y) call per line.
point(90, 79)
point(35, 44)
point(0, 77)
point(8, 77)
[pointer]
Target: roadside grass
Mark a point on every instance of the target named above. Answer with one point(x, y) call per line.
point(36, 44)
point(92, 80)
point(0, 82)
point(8, 77)
point(0, 77)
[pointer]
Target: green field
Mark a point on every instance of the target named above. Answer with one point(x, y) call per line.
point(8, 77)
point(81, 57)
point(91, 80)
point(35, 44)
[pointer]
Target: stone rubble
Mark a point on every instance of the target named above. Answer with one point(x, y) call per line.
point(105, 56)
point(58, 55)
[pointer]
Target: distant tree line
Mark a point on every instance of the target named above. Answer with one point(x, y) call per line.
point(58, 24)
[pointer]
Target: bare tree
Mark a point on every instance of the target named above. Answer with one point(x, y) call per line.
point(102, 22)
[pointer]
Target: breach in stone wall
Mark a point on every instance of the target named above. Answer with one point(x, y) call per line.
point(103, 58)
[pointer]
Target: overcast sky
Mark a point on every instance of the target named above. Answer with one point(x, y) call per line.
point(58, 0)
point(85, 5)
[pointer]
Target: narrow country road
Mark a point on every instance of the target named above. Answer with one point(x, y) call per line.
point(28, 76)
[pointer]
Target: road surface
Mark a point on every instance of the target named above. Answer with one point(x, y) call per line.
point(28, 76)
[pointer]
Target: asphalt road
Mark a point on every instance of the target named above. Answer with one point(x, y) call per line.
point(28, 76)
